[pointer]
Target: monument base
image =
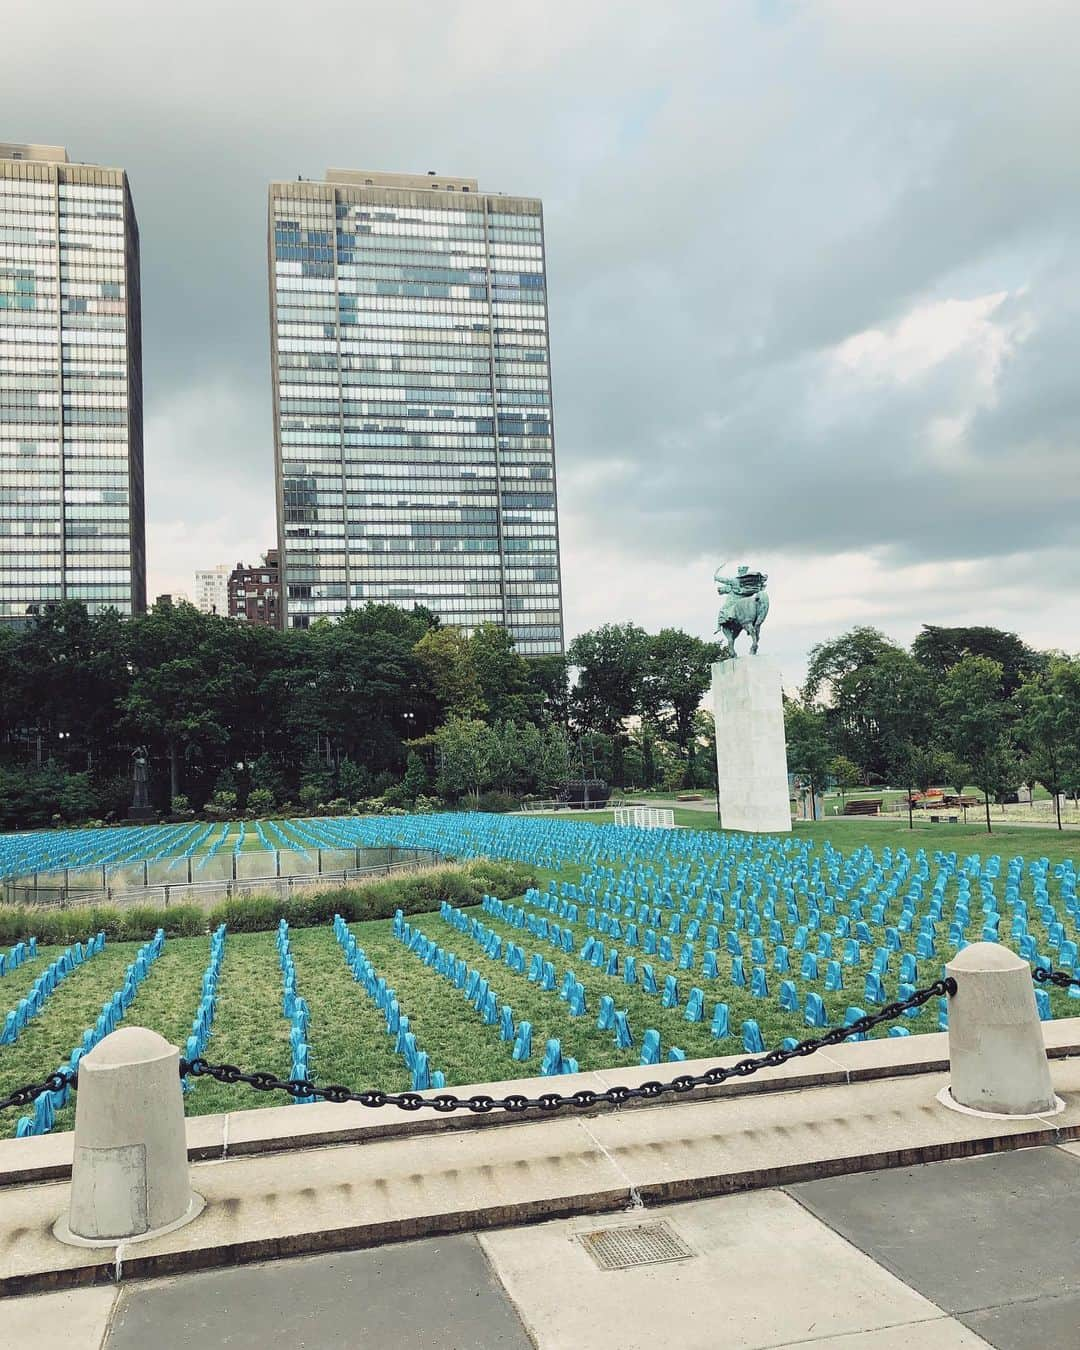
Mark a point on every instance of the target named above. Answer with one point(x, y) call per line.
point(142, 813)
point(751, 751)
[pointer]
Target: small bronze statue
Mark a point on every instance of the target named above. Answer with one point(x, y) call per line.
point(745, 606)
point(140, 777)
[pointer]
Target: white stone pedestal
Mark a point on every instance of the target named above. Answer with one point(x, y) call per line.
point(997, 1057)
point(751, 752)
point(130, 1178)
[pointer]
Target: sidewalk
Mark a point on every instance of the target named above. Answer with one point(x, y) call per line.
point(831, 1201)
point(942, 1256)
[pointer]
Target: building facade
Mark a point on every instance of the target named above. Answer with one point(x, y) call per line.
point(71, 422)
point(212, 589)
point(254, 592)
point(414, 443)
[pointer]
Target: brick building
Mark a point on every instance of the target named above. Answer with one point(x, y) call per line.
point(254, 592)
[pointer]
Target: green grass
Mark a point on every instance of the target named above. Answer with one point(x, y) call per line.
point(1027, 841)
point(347, 1036)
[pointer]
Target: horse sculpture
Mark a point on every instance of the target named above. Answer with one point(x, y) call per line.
point(744, 608)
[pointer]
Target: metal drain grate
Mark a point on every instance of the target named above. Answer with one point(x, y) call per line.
point(645, 1245)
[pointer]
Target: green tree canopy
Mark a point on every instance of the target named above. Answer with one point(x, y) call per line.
point(841, 674)
point(939, 649)
point(611, 663)
point(975, 724)
point(809, 753)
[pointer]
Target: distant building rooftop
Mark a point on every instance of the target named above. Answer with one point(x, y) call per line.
point(431, 181)
point(53, 154)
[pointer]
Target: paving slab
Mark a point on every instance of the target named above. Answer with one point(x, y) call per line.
point(68, 1319)
point(1038, 1324)
point(438, 1294)
point(973, 1234)
point(765, 1273)
point(944, 1334)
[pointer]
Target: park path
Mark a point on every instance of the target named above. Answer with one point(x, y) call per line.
point(946, 1256)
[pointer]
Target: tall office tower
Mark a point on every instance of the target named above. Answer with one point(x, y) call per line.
point(415, 458)
point(71, 433)
point(212, 589)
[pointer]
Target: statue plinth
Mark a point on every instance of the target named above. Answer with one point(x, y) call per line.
point(751, 750)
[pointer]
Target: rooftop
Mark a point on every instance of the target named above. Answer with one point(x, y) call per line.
point(52, 154)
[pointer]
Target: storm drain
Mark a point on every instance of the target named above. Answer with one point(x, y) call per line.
point(646, 1244)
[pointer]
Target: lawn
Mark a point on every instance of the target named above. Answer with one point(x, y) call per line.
point(347, 1035)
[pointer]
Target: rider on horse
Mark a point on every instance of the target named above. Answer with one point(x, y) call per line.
point(745, 606)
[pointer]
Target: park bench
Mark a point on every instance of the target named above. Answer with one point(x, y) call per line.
point(863, 806)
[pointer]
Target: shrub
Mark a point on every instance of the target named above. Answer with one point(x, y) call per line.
point(247, 913)
point(260, 801)
point(495, 801)
point(181, 805)
point(221, 806)
point(59, 927)
point(413, 893)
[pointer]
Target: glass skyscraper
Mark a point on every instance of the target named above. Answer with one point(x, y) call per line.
point(414, 444)
point(71, 437)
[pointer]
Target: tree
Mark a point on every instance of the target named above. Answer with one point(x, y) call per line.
point(1048, 728)
point(845, 773)
point(464, 746)
point(171, 701)
point(974, 721)
point(705, 734)
point(551, 679)
point(446, 657)
point(353, 780)
point(507, 760)
point(676, 679)
point(416, 778)
point(555, 758)
point(611, 664)
point(898, 706)
point(939, 649)
point(808, 751)
point(507, 691)
point(840, 673)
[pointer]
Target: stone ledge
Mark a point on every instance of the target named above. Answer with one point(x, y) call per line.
point(273, 1204)
point(275, 1129)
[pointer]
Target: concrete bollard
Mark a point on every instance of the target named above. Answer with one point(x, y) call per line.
point(130, 1178)
point(997, 1057)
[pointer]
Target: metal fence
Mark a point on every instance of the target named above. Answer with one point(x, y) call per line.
point(202, 879)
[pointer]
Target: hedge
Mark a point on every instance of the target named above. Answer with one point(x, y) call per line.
point(414, 893)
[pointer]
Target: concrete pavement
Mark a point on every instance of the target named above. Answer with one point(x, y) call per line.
point(344, 1197)
point(944, 1256)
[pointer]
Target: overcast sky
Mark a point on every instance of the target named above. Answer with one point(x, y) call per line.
point(813, 274)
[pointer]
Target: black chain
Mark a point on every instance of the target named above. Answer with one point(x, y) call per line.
point(28, 1095)
point(554, 1101)
point(1061, 978)
point(547, 1101)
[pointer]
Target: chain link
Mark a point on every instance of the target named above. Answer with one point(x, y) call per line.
point(1059, 978)
point(28, 1095)
point(554, 1101)
point(515, 1103)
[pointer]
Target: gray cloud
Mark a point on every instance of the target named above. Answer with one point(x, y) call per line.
point(739, 198)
